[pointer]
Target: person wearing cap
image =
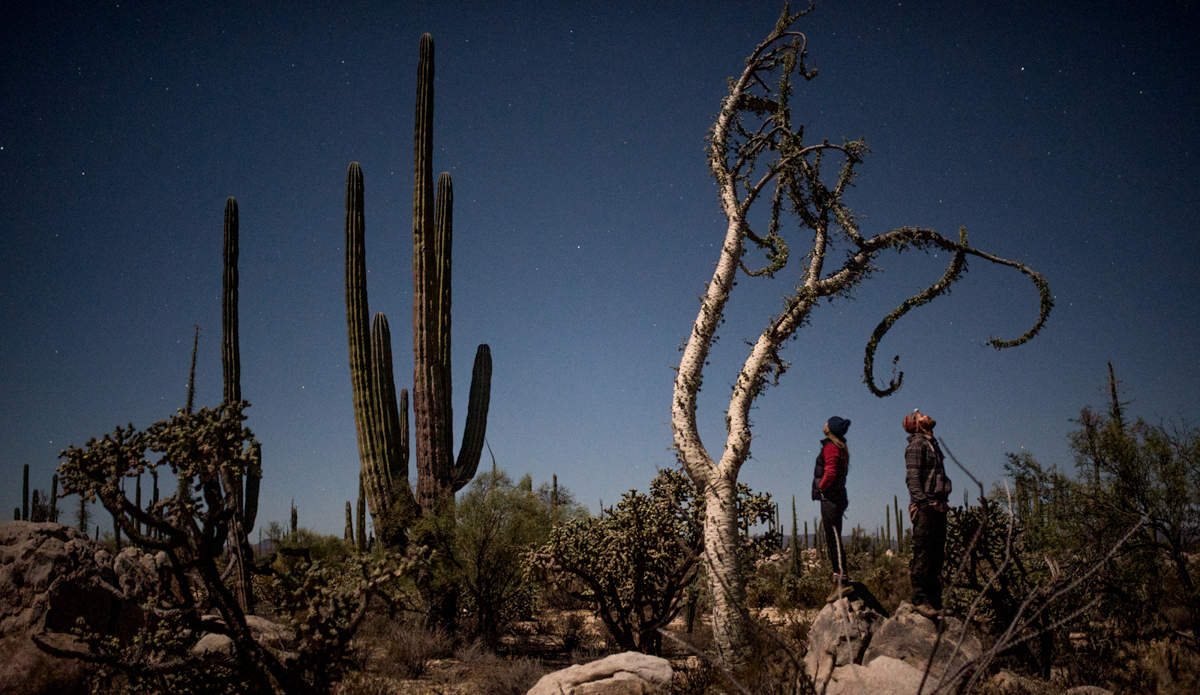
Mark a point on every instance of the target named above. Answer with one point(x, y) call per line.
point(929, 490)
point(829, 486)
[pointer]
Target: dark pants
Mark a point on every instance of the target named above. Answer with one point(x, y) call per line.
point(928, 556)
point(831, 519)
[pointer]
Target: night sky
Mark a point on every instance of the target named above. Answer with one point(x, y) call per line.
point(1063, 135)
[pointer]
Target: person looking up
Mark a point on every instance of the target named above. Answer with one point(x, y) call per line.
point(928, 490)
point(829, 486)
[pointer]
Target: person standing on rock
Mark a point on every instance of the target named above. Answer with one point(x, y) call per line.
point(829, 486)
point(929, 490)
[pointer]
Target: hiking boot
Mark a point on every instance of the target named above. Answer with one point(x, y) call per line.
point(840, 592)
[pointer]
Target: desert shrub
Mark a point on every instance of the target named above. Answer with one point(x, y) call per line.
point(312, 545)
point(410, 647)
point(633, 562)
point(572, 632)
point(474, 653)
point(887, 579)
point(364, 684)
point(507, 677)
point(498, 523)
point(775, 666)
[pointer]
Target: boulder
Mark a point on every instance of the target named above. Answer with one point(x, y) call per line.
point(278, 639)
point(883, 675)
point(842, 631)
point(854, 647)
point(44, 585)
point(910, 637)
point(629, 673)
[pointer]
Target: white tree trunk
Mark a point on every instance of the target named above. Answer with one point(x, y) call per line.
point(721, 559)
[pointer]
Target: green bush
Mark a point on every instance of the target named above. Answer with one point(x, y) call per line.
point(633, 563)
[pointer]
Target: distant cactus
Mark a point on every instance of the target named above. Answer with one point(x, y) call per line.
point(795, 559)
point(137, 500)
point(25, 495)
point(349, 533)
point(191, 390)
point(54, 498)
point(362, 516)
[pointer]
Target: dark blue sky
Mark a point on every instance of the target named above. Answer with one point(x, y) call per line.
point(1059, 134)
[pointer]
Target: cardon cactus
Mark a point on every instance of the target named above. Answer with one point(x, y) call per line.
point(438, 474)
point(245, 497)
point(382, 427)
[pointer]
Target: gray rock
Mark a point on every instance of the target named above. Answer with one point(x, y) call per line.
point(278, 639)
point(883, 675)
point(1089, 690)
point(853, 648)
point(841, 632)
point(910, 637)
point(45, 571)
point(629, 673)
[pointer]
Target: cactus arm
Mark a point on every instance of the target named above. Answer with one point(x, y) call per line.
point(357, 331)
point(384, 391)
point(253, 483)
point(230, 355)
point(403, 419)
point(477, 412)
point(362, 516)
point(433, 438)
point(443, 235)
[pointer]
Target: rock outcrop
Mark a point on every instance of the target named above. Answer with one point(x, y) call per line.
point(855, 647)
point(47, 574)
point(629, 673)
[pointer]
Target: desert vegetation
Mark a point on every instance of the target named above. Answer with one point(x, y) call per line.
point(1070, 573)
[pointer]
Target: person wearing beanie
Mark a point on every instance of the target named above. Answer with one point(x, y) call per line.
point(928, 490)
point(829, 486)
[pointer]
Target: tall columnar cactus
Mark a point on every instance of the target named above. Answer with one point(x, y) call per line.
point(349, 533)
point(382, 427)
point(54, 498)
point(246, 498)
point(382, 434)
point(25, 494)
point(438, 473)
point(362, 515)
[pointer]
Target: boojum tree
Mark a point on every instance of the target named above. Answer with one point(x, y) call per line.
point(754, 151)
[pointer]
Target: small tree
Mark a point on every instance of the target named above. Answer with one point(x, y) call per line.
point(634, 561)
point(212, 449)
point(754, 150)
point(499, 523)
point(1130, 471)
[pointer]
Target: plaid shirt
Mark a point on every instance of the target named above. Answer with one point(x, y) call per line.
point(925, 474)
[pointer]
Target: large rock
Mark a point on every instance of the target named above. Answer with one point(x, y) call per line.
point(842, 631)
point(629, 673)
point(853, 647)
point(46, 584)
point(910, 637)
